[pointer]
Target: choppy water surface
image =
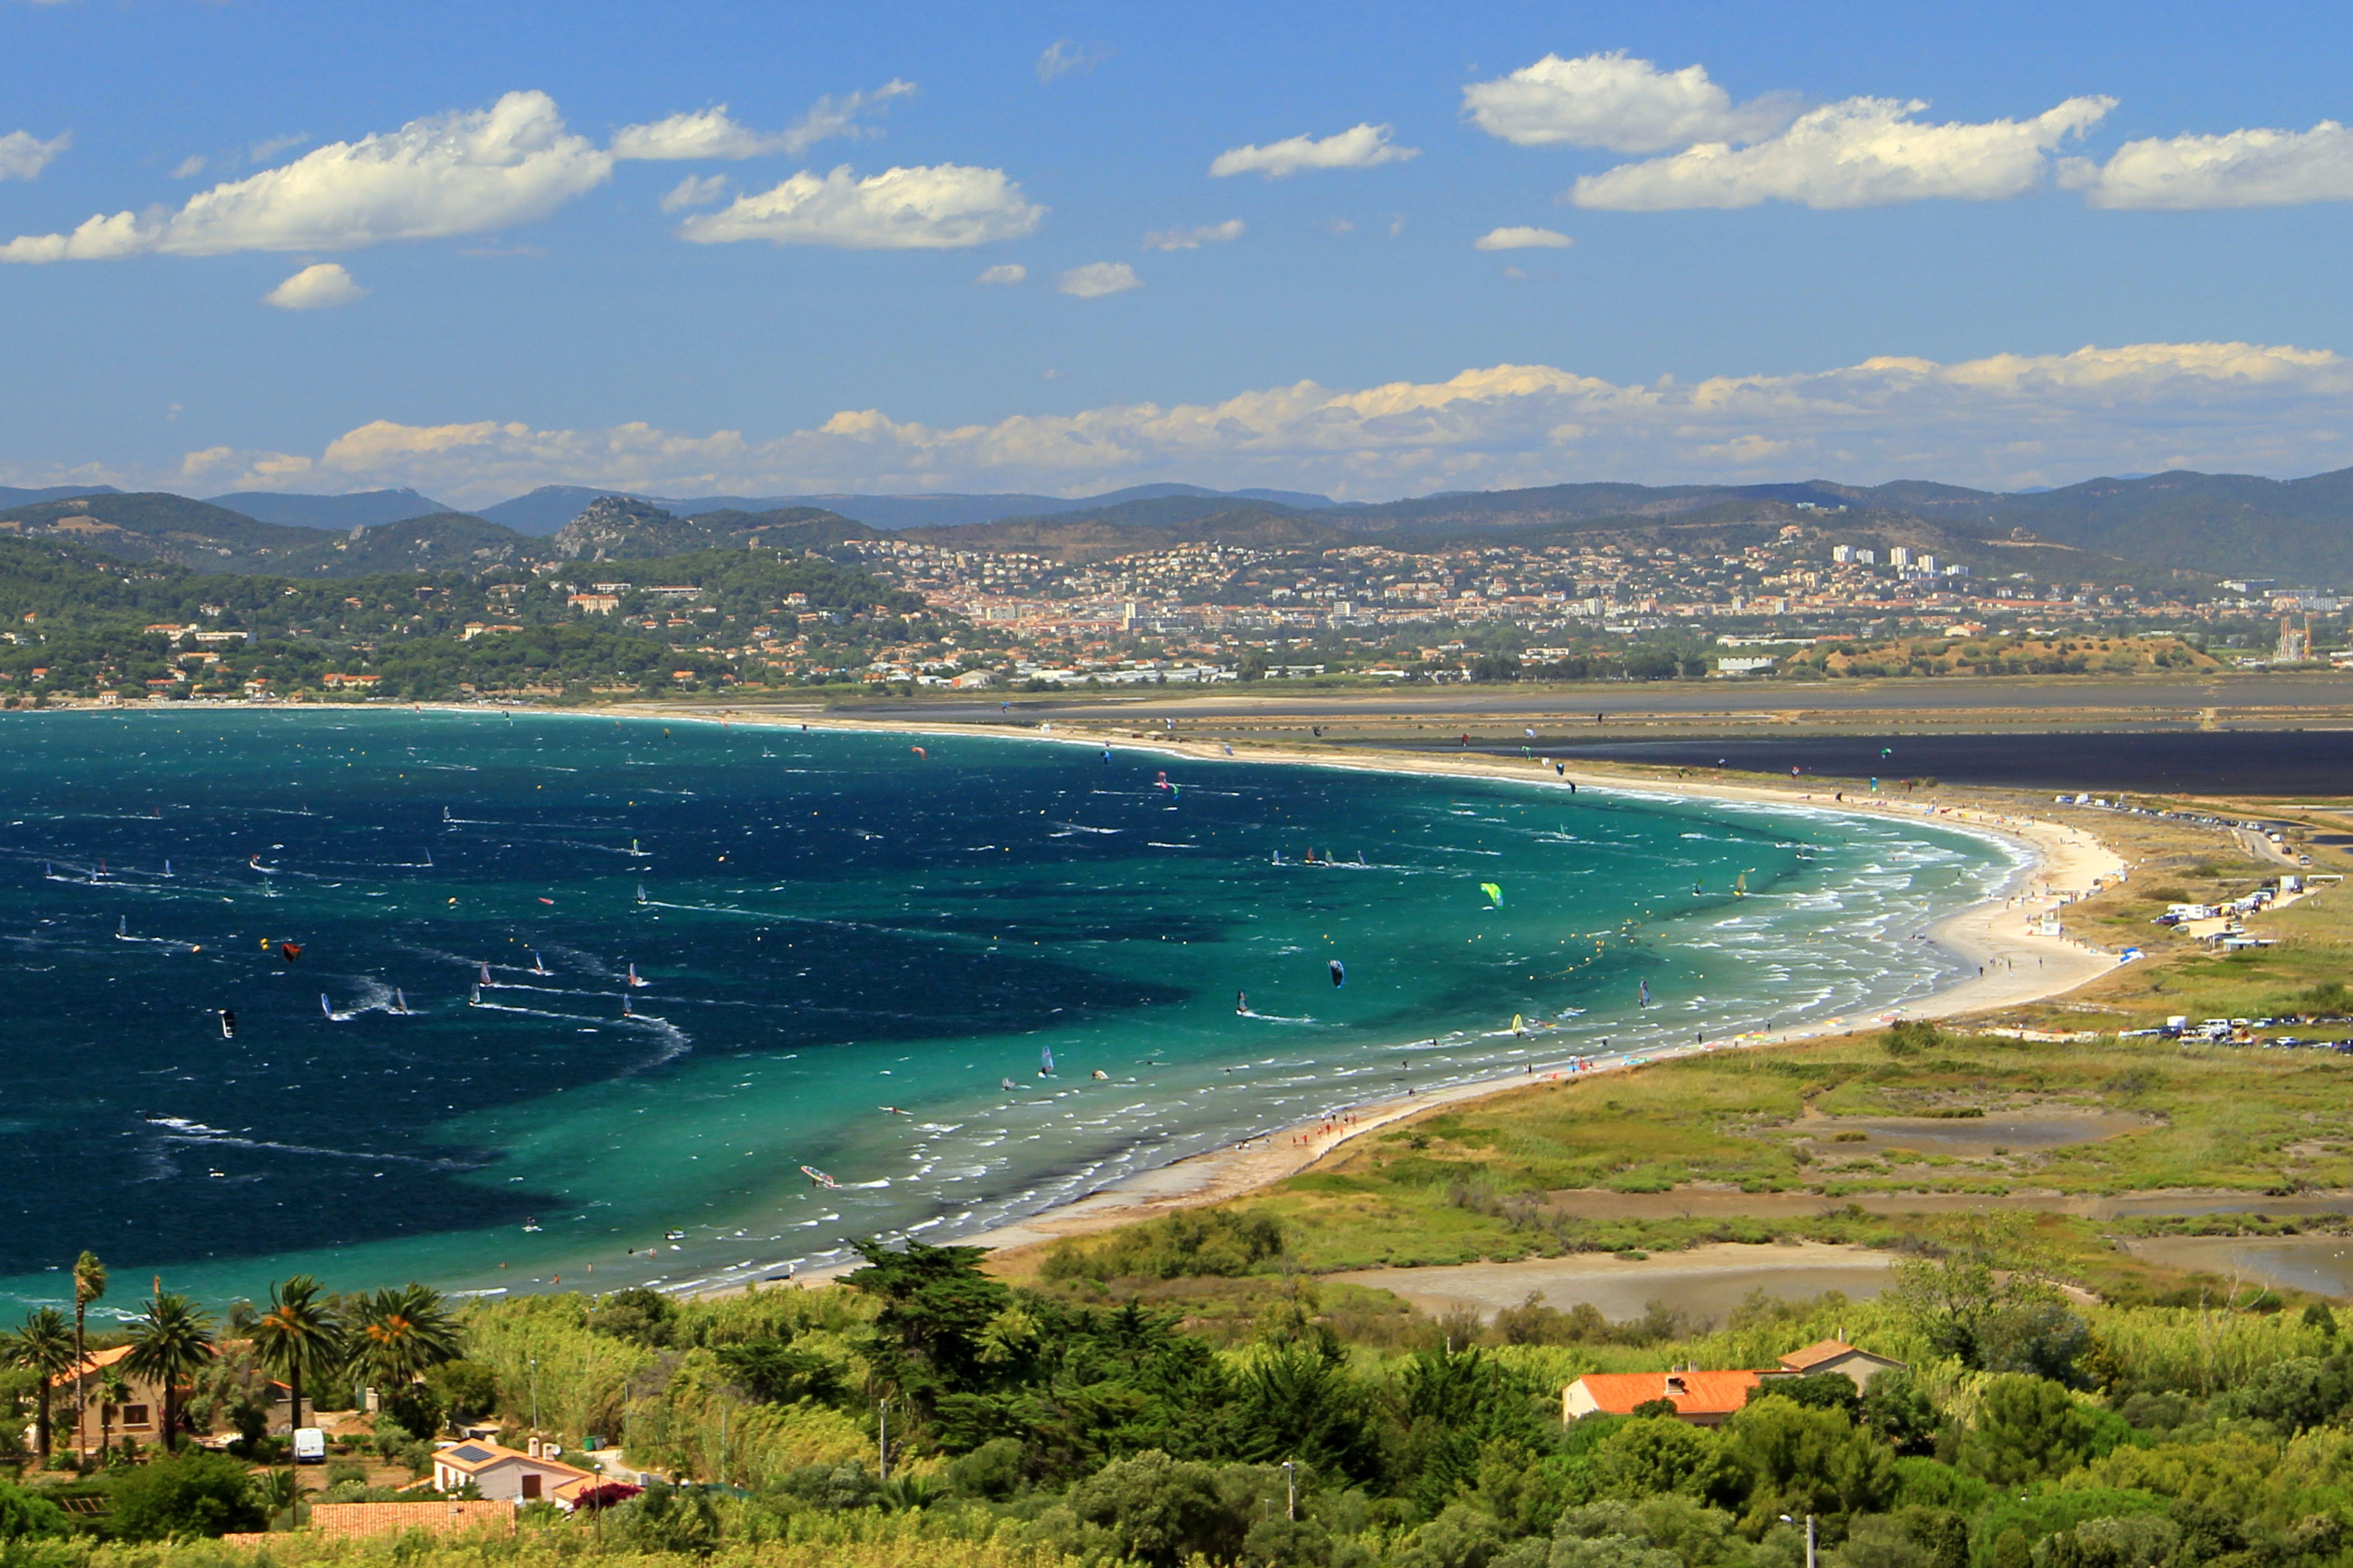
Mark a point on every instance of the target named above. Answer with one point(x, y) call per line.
point(847, 948)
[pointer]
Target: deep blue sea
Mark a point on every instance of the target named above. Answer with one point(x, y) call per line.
point(847, 948)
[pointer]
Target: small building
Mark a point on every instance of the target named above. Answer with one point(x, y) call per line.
point(139, 1413)
point(508, 1475)
point(1858, 1366)
point(1700, 1398)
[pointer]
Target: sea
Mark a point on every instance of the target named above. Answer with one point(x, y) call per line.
point(507, 1002)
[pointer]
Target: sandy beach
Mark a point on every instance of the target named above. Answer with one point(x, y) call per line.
point(2017, 961)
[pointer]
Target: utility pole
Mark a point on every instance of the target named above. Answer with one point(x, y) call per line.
point(882, 1442)
point(1290, 1490)
point(534, 1396)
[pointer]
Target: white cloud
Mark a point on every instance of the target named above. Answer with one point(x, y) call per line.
point(1863, 152)
point(1064, 55)
point(23, 155)
point(1008, 273)
point(711, 133)
point(692, 192)
point(315, 288)
point(1097, 278)
point(1359, 147)
point(945, 207)
point(1625, 105)
point(2005, 421)
point(2254, 168)
point(449, 175)
point(189, 167)
point(1193, 239)
point(1522, 239)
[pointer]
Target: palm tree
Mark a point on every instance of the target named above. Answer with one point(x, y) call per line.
point(89, 1284)
point(44, 1346)
point(168, 1343)
point(400, 1334)
point(299, 1337)
point(113, 1393)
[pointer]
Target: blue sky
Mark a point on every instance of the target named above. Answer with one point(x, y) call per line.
point(345, 247)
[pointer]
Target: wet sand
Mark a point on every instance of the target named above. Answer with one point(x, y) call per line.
point(1705, 1281)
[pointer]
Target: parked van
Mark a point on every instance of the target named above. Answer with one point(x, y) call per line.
point(310, 1446)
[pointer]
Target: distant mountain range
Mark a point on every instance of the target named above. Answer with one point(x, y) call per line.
point(2207, 525)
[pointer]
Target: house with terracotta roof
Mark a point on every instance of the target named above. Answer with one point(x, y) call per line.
point(1859, 1366)
point(138, 1414)
point(509, 1475)
point(1700, 1398)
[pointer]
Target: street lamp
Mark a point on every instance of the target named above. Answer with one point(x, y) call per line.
point(1290, 1490)
point(1810, 1536)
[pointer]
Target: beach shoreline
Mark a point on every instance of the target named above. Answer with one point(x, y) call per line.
point(1995, 935)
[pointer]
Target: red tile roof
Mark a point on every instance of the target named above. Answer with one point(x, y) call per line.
point(1693, 1392)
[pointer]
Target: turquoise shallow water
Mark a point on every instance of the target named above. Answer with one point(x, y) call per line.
point(826, 925)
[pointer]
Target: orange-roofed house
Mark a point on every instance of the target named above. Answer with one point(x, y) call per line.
point(1859, 1366)
point(1701, 1398)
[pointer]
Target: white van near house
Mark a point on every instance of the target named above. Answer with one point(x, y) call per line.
point(309, 1445)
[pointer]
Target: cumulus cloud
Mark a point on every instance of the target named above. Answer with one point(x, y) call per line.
point(1359, 147)
point(2254, 168)
point(454, 173)
point(1863, 152)
point(711, 134)
point(1522, 239)
point(692, 192)
point(945, 207)
point(1626, 105)
point(1193, 239)
point(23, 155)
point(1097, 278)
point(1064, 55)
point(2003, 421)
point(1009, 272)
point(315, 288)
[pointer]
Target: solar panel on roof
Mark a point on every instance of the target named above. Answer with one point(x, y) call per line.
point(470, 1454)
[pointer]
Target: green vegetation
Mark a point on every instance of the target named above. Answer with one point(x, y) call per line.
point(76, 623)
point(1027, 1432)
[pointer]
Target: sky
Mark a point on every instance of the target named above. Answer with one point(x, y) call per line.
point(1368, 250)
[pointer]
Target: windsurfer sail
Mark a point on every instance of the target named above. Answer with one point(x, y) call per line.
point(325, 1006)
point(819, 1178)
point(1046, 1062)
point(642, 892)
point(400, 1002)
point(634, 981)
point(539, 964)
point(1241, 1000)
point(486, 975)
point(1645, 992)
point(1493, 892)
